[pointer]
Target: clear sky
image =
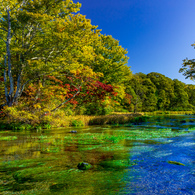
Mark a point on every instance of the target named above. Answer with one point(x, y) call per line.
point(157, 33)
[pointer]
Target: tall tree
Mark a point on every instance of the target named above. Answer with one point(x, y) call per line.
point(39, 38)
point(111, 60)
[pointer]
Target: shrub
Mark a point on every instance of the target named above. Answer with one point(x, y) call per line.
point(77, 123)
point(46, 126)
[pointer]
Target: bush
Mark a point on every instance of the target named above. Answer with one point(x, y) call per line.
point(46, 126)
point(77, 123)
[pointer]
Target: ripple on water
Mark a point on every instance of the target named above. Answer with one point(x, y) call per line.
point(161, 154)
point(138, 150)
point(184, 144)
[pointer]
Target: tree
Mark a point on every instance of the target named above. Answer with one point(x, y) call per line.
point(165, 90)
point(188, 67)
point(143, 93)
point(190, 89)
point(180, 101)
point(111, 60)
point(150, 101)
point(137, 91)
point(42, 38)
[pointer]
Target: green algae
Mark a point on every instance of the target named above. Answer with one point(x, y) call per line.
point(116, 164)
point(54, 170)
point(175, 163)
point(8, 138)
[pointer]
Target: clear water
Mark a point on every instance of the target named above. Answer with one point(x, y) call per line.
point(130, 159)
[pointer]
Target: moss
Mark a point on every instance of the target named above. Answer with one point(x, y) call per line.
point(8, 138)
point(58, 187)
point(175, 163)
point(115, 164)
point(19, 164)
point(29, 174)
point(43, 173)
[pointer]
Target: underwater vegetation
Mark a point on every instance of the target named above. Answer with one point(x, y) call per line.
point(83, 160)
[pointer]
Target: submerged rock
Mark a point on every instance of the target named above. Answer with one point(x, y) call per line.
point(175, 163)
point(84, 166)
point(58, 187)
point(73, 131)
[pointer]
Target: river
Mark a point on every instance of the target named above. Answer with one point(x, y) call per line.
point(155, 157)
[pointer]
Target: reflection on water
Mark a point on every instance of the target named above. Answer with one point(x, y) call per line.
point(130, 159)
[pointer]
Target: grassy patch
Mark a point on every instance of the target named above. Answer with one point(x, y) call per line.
point(113, 119)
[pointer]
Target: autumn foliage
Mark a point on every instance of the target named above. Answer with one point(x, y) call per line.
point(58, 60)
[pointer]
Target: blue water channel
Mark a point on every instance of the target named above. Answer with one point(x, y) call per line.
point(157, 171)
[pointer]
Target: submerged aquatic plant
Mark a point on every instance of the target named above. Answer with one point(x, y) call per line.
point(8, 138)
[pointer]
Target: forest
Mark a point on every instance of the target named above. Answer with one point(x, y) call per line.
point(53, 60)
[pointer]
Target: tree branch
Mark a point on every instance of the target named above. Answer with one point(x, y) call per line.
point(4, 29)
point(2, 39)
point(79, 90)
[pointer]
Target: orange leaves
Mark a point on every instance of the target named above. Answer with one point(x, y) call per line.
point(55, 79)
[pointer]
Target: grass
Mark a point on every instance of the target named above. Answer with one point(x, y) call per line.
point(113, 119)
point(59, 119)
point(168, 113)
point(67, 121)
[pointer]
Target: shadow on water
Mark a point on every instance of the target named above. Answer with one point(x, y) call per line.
point(155, 157)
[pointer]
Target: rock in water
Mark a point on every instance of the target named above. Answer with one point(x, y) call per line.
point(73, 131)
point(84, 166)
point(175, 163)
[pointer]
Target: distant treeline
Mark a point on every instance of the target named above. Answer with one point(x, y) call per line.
point(155, 91)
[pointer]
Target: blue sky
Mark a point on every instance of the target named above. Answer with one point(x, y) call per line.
point(157, 33)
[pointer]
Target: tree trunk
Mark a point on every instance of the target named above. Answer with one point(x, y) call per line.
point(8, 66)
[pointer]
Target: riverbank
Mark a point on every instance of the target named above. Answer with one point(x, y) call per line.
point(55, 121)
point(23, 121)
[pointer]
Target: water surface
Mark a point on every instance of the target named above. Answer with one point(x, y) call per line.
point(128, 159)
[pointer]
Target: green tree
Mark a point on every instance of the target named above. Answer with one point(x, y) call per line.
point(150, 101)
point(188, 67)
point(43, 38)
point(137, 91)
point(190, 89)
point(111, 60)
point(180, 101)
point(165, 90)
point(143, 92)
